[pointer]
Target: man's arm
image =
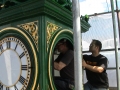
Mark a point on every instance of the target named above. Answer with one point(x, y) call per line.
point(97, 69)
point(59, 66)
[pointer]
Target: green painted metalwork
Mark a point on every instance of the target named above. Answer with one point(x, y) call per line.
point(64, 33)
point(45, 22)
point(9, 3)
point(65, 3)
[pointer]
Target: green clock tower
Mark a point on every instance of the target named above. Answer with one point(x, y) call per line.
point(29, 31)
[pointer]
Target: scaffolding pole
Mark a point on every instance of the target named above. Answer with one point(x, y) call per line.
point(116, 45)
point(118, 19)
point(77, 44)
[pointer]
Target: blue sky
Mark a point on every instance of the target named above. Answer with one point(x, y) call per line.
point(100, 28)
point(95, 6)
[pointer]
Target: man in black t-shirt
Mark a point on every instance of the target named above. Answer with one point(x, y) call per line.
point(95, 66)
point(65, 64)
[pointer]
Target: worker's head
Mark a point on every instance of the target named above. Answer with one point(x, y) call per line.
point(95, 45)
point(64, 45)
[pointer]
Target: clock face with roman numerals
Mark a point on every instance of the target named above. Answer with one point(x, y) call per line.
point(15, 65)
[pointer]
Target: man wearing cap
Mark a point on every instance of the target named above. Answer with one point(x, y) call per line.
point(65, 64)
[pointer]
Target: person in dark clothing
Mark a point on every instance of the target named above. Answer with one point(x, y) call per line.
point(65, 64)
point(95, 66)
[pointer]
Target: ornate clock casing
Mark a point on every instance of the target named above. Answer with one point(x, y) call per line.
point(18, 60)
point(15, 65)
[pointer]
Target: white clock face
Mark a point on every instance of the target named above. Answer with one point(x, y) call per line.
point(15, 65)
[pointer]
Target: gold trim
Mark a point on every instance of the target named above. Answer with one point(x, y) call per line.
point(38, 88)
point(32, 29)
point(36, 66)
point(51, 28)
point(49, 59)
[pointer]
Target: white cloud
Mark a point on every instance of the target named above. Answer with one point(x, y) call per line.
point(92, 6)
point(85, 45)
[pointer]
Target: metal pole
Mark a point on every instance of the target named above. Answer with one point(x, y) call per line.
point(118, 19)
point(116, 45)
point(77, 45)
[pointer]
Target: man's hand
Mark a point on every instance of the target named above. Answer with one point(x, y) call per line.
point(84, 64)
point(97, 69)
point(59, 66)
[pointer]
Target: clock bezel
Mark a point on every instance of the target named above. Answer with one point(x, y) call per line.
point(23, 47)
point(26, 39)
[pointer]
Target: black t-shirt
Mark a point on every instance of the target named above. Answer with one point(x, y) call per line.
point(98, 80)
point(68, 59)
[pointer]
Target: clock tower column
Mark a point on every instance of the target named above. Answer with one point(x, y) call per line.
point(30, 29)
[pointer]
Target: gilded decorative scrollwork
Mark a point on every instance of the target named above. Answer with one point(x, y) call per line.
point(51, 28)
point(32, 29)
point(38, 88)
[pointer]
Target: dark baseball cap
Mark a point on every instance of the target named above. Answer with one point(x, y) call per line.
point(63, 41)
